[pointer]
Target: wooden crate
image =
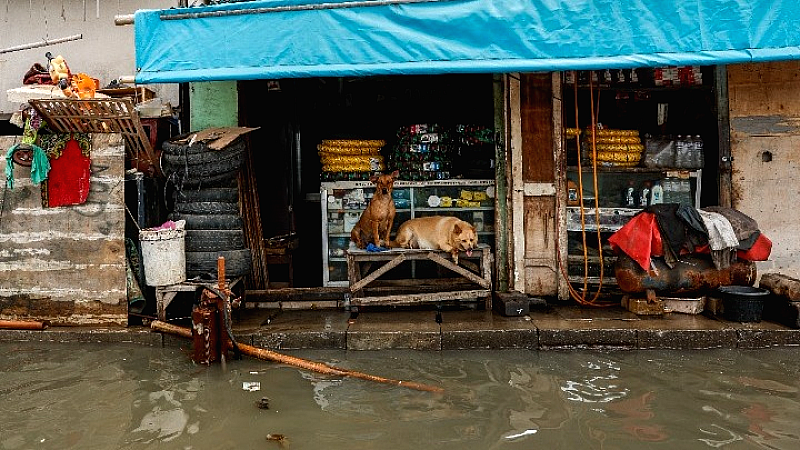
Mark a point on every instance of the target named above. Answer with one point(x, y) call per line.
point(108, 115)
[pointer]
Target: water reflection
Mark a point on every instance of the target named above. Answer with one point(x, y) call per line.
point(116, 397)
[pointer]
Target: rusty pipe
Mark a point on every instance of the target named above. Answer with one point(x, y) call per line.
point(24, 324)
point(269, 355)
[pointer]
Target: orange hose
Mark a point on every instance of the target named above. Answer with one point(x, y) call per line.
point(581, 297)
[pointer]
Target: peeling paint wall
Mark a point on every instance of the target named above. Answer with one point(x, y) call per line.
point(105, 52)
point(765, 144)
point(65, 264)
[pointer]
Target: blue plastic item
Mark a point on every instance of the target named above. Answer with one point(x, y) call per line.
point(314, 38)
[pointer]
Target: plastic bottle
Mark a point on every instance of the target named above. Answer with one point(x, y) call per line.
point(644, 198)
point(657, 194)
point(630, 198)
point(699, 148)
point(680, 152)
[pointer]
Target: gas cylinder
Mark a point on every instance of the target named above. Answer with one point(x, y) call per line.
point(693, 273)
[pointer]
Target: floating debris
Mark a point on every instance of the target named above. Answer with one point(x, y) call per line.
point(263, 403)
point(279, 438)
point(251, 386)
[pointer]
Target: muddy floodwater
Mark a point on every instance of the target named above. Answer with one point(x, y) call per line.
point(118, 396)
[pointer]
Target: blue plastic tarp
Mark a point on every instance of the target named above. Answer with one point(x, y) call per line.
point(274, 39)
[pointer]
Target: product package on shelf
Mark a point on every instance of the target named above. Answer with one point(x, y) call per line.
point(436, 152)
point(350, 159)
point(670, 76)
point(615, 148)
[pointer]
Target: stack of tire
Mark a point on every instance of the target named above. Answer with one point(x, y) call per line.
point(207, 198)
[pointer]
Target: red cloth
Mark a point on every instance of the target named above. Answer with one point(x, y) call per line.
point(68, 180)
point(760, 250)
point(639, 239)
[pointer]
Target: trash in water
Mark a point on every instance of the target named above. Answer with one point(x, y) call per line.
point(277, 437)
point(263, 403)
point(251, 386)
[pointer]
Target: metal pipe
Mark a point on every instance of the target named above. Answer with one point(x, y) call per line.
point(319, 367)
point(123, 19)
point(24, 324)
point(307, 7)
point(42, 43)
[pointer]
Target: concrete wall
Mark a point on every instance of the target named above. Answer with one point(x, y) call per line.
point(106, 51)
point(765, 144)
point(65, 264)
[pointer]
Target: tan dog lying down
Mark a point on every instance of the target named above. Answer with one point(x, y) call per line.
point(446, 233)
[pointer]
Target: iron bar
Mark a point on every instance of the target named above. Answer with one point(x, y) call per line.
point(41, 44)
point(306, 7)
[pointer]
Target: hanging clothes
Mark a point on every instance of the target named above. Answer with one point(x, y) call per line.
point(40, 166)
point(721, 238)
point(70, 169)
point(746, 227)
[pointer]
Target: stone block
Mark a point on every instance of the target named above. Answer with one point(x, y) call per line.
point(511, 304)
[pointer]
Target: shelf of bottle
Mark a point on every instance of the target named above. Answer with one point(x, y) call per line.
point(671, 173)
point(623, 88)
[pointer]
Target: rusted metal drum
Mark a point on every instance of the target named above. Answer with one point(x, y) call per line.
point(691, 274)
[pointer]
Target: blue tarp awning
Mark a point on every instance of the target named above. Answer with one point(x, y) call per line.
point(273, 39)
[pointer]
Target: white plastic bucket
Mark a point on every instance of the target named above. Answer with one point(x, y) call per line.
point(163, 256)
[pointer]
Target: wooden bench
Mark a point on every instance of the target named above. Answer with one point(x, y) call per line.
point(479, 274)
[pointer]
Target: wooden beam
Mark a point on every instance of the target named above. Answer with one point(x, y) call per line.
point(380, 271)
point(459, 270)
point(410, 299)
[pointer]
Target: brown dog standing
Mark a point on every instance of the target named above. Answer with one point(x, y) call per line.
point(376, 221)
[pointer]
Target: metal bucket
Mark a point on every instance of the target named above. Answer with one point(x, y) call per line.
point(163, 256)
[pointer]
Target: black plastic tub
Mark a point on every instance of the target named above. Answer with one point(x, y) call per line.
point(743, 303)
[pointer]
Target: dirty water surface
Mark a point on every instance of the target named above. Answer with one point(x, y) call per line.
point(118, 396)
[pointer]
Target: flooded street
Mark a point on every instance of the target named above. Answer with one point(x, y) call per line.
point(101, 396)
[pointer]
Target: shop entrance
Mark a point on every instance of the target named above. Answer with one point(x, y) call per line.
point(295, 115)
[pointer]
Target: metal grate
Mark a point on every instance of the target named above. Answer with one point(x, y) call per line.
point(114, 115)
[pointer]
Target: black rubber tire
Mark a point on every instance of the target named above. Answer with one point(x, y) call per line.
point(204, 264)
point(207, 207)
point(197, 159)
point(195, 182)
point(173, 147)
point(208, 195)
point(209, 221)
point(214, 240)
point(216, 167)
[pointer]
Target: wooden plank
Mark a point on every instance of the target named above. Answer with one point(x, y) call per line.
point(536, 110)
point(354, 287)
point(409, 299)
point(487, 284)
